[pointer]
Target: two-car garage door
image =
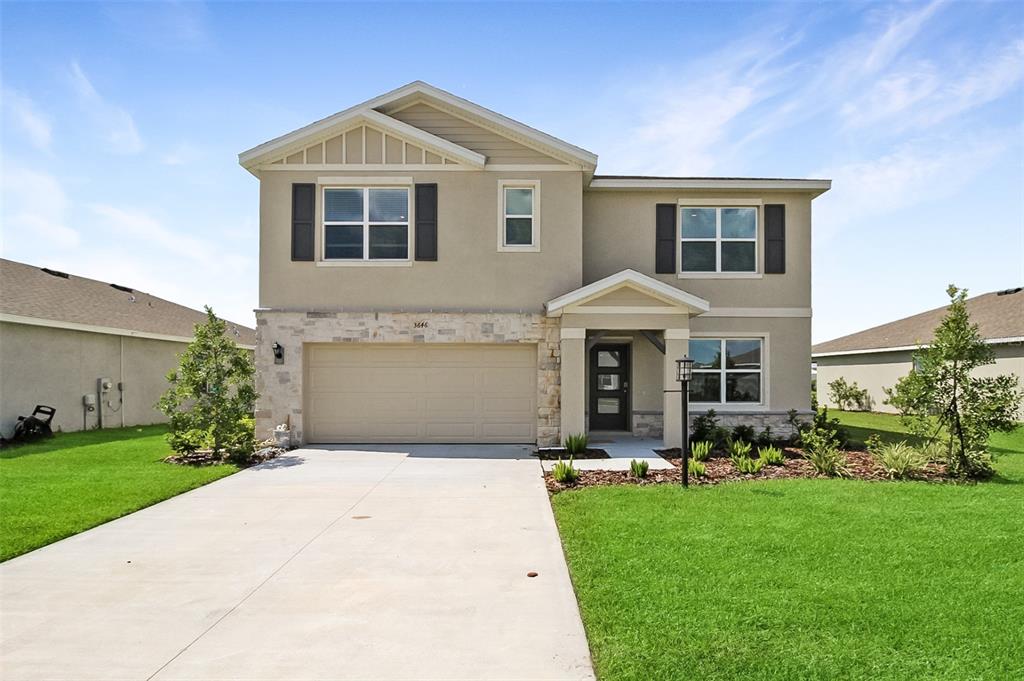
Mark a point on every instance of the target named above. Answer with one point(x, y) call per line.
point(421, 393)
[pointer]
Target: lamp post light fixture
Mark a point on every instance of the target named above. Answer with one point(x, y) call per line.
point(684, 372)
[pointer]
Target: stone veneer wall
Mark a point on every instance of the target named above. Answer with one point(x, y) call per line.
point(651, 423)
point(280, 385)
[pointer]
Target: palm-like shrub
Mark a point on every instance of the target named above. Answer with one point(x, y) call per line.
point(697, 469)
point(638, 469)
point(821, 449)
point(700, 451)
point(564, 472)
point(576, 443)
point(899, 459)
point(748, 466)
point(771, 456)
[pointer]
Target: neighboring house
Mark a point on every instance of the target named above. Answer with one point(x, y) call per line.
point(878, 357)
point(63, 336)
point(432, 271)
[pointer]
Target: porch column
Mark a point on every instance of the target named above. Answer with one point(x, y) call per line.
point(574, 397)
point(677, 344)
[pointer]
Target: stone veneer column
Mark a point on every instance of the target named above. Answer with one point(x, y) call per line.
point(574, 398)
point(677, 344)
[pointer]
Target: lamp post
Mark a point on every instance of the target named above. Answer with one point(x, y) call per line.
point(684, 372)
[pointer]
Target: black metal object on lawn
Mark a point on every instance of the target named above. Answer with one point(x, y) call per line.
point(684, 372)
point(31, 428)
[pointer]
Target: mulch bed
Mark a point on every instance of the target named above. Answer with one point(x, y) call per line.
point(265, 451)
point(556, 454)
point(859, 466)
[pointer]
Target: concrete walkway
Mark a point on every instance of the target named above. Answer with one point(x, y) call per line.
point(621, 448)
point(320, 565)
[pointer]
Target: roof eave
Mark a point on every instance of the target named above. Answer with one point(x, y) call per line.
point(815, 187)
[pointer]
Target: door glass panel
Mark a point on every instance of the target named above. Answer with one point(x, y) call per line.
point(608, 358)
point(609, 382)
point(607, 405)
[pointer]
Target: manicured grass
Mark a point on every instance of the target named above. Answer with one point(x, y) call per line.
point(59, 487)
point(803, 579)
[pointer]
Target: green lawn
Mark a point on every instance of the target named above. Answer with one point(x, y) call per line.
point(59, 487)
point(804, 579)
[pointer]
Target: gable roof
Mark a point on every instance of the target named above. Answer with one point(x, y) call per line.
point(999, 316)
point(33, 295)
point(631, 279)
point(415, 92)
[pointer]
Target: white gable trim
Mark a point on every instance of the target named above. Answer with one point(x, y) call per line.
point(418, 88)
point(633, 279)
point(304, 137)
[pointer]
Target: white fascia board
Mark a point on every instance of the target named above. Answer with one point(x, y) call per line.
point(351, 117)
point(902, 348)
point(817, 186)
point(92, 328)
point(630, 277)
point(586, 158)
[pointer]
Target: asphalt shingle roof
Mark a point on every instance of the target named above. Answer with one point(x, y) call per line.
point(29, 291)
point(999, 314)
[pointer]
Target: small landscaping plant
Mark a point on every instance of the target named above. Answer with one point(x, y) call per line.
point(743, 433)
point(847, 396)
point(739, 450)
point(770, 456)
point(565, 473)
point(576, 443)
point(899, 459)
point(748, 466)
point(211, 397)
point(822, 450)
point(700, 451)
point(697, 469)
point(706, 428)
point(638, 469)
point(943, 396)
point(764, 438)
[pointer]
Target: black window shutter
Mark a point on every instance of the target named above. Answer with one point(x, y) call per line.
point(426, 222)
point(665, 238)
point(303, 212)
point(775, 238)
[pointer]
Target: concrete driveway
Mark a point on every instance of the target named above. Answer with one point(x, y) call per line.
point(320, 565)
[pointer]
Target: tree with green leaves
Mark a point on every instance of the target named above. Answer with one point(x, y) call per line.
point(211, 395)
point(942, 399)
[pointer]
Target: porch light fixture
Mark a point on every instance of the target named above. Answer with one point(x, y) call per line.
point(684, 372)
point(278, 352)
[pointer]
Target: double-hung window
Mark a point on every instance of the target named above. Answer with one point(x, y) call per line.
point(366, 223)
point(727, 370)
point(718, 239)
point(518, 224)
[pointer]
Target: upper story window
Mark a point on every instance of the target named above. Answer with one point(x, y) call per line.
point(727, 370)
point(519, 221)
point(718, 239)
point(366, 223)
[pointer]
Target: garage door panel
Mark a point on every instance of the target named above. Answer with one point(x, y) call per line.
point(421, 393)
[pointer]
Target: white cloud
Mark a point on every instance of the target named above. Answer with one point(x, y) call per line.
point(35, 211)
point(22, 111)
point(117, 125)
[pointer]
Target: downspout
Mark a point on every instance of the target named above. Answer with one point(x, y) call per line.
point(120, 382)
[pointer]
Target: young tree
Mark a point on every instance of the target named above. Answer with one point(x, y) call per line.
point(942, 399)
point(211, 397)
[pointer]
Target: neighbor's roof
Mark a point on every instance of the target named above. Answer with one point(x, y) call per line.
point(999, 316)
point(33, 295)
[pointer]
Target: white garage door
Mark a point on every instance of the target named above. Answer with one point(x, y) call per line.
point(421, 393)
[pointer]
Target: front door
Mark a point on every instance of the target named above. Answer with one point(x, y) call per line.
point(609, 387)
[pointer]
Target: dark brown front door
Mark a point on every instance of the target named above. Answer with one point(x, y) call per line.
point(609, 387)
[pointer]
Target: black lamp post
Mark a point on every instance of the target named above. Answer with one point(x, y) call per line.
point(684, 372)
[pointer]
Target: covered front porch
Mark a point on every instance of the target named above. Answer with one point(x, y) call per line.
point(620, 339)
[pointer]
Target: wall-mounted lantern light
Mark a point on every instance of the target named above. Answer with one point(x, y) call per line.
point(278, 352)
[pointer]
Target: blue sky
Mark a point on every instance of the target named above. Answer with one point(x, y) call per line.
point(121, 124)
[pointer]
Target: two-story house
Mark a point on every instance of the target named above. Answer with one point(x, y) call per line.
point(432, 271)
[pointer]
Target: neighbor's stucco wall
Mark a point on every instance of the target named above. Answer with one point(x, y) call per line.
point(470, 274)
point(56, 367)
point(619, 230)
point(879, 370)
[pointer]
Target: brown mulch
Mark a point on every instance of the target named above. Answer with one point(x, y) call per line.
point(859, 466)
point(562, 455)
point(265, 451)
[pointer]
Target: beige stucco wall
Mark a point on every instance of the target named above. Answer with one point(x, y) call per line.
point(43, 365)
point(470, 274)
point(879, 370)
point(619, 233)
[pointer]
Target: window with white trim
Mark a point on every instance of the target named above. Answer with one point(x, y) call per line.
point(718, 239)
point(727, 370)
point(518, 227)
point(366, 223)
